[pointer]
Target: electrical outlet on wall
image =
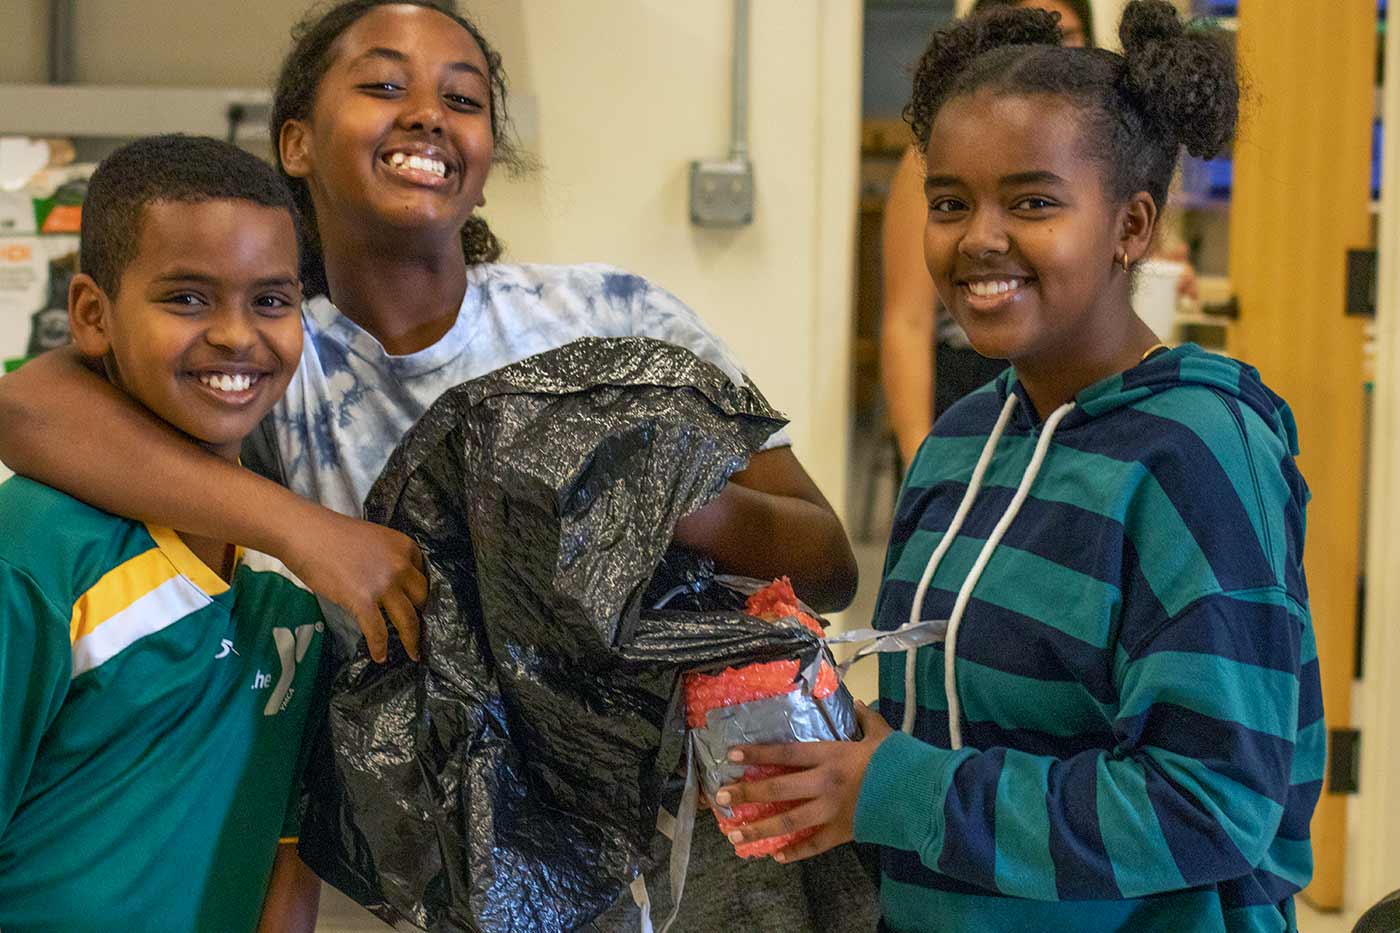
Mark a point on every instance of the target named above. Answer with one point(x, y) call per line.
point(721, 192)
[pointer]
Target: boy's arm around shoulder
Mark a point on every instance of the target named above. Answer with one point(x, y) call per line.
point(68, 427)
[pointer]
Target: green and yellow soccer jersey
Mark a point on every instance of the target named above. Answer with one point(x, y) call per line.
point(151, 722)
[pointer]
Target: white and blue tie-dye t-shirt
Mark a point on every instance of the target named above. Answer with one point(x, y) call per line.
point(350, 402)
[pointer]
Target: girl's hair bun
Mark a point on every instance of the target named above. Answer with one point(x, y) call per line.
point(1148, 23)
point(952, 48)
point(1182, 77)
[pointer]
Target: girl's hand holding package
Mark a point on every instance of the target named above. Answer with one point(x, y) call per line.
point(370, 571)
point(826, 779)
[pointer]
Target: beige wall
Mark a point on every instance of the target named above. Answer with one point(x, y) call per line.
point(626, 93)
point(23, 40)
point(223, 43)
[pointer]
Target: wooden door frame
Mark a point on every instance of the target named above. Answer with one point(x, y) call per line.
point(1375, 854)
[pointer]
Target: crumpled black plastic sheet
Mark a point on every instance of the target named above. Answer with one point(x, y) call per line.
point(510, 782)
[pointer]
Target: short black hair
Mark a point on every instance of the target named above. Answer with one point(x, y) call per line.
point(171, 168)
point(1081, 8)
point(1174, 86)
point(311, 55)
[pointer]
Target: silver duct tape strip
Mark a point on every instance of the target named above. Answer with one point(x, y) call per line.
point(682, 827)
point(904, 638)
point(793, 717)
point(797, 716)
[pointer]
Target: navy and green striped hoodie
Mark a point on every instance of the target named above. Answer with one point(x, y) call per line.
point(1140, 711)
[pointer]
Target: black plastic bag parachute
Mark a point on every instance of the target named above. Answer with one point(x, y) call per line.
point(510, 782)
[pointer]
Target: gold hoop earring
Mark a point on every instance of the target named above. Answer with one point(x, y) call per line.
point(1124, 260)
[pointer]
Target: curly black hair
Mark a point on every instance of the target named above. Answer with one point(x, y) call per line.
point(1174, 86)
point(171, 168)
point(1081, 8)
point(311, 55)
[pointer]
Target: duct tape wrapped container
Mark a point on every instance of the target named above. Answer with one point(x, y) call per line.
point(512, 780)
point(767, 703)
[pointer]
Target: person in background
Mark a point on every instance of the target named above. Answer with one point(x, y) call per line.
point(1122, 728)
point(155, 685)
point(386, 120)
point(1076, 17)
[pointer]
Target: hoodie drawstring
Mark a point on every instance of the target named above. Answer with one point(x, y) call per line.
point(970, 583)
point(973, 487)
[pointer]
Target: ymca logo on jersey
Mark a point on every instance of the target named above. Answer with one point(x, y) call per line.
point(292, 645)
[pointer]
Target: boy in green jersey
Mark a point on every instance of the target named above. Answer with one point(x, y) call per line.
point(155, 685)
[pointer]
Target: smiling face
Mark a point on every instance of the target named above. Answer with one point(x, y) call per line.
point(1023, 239)
point(205, 329)
point(399, 136)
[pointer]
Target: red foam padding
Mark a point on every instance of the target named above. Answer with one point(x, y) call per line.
point(704, 692)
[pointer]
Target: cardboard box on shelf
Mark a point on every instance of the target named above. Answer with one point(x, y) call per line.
point(17, 216)
point(39, 223)
point(34, 276)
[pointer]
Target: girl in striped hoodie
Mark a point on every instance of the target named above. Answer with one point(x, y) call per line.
point(1123, 728)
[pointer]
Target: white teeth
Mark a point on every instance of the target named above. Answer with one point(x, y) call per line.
point(419, 163)
point(992, 289)
point(225, 382)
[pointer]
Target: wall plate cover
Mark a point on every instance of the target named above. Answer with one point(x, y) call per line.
point(721, 192)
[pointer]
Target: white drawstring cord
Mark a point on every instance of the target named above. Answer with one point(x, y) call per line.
point(916, 608)
point(950, 644)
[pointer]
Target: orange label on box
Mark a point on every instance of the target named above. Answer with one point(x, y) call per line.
point(15, 252)
point(64, 218)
